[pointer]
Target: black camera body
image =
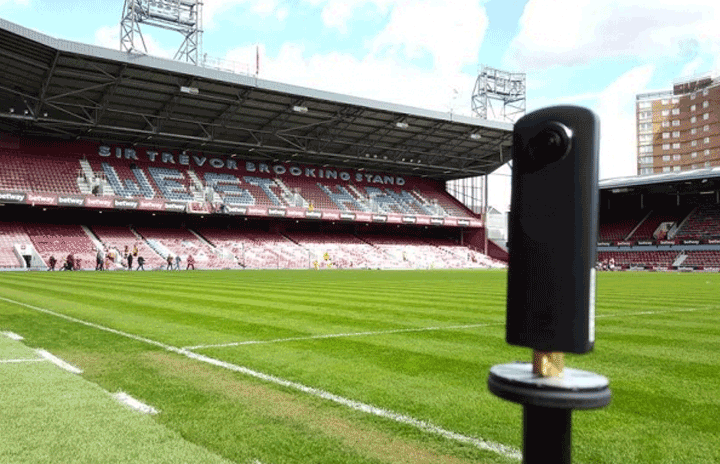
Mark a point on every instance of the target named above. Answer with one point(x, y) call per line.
point(553, 226)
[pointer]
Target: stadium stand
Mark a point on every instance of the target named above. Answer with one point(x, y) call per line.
point(646, 230)
point(256, 249)
point(180, 242)
point(703, 223)
point(119, 238)
point(627, 259)
point(62, 240)
point(12, 235)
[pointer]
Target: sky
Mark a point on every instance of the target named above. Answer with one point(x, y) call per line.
point(427, 53)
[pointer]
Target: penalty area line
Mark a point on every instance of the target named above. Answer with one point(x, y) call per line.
point(341, 335)
point(59, 362)
point(422, 425)
point(20, 361)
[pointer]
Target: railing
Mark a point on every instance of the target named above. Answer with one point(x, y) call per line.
point(224, 65)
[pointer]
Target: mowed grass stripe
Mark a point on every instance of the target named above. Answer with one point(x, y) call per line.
point(665, 384)
point(178, 306)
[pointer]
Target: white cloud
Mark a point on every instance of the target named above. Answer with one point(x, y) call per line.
point(618, 134)
point(281, 14)
point(215, 9)
point(450, 32)
point(577, 32)
point(337, 13)
point(109, 37)
point(15, 2)
point(377, 78)
point(692, 68)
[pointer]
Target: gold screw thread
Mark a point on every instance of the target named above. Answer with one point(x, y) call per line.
point(548, 363)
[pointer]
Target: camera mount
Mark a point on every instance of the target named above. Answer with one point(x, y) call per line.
point(551, 277)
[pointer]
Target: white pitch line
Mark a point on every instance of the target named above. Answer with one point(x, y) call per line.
point(479, 443)
point(13, 336)
point(421, 329)
point(646, 313)
point(59, 362)
point(131, 402)
point(339, 335)
point(8, 361)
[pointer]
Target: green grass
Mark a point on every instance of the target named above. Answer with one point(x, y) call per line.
point(50, 416)
point(658, 340)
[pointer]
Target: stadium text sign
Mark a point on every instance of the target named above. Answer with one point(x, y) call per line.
point(169, 159)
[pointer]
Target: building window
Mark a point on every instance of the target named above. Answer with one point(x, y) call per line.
point(645, 127)
point(645, 115)
point(666, 157)
point(693, 108)
point(666, 168)
point(676, 168)
point(665, 112)
point(694, 166)
point(646, 149)
point(693, 143)
point(676, 145)
point(707, 152)
point(693, 120)
point(706, 127)
point(693, 131)
point(675, 100)
point(666, 146)
point(645, 138)
point(646, 160)
point(665, 101)
point(706, 116)
point(706, 104)
point(693, 95)
point(676, 134)
point(707, 164)
point(676, 157)
point(705, 92)
point(666, 123)
point(694, 154)
point(646, 171)
point(644, 105)
point(676, 111)
point(666, 135)
point(706, 140)
point(676, 122)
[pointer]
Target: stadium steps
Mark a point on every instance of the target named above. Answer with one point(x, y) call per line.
point(292, 240)
point(91, 235)
point(682, 223)
point(642, 221)
point(198, 192)
point(203, 239)
point(680, 259)
point(290, 197)
point(362, 199)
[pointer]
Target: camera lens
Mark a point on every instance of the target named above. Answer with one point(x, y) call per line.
point(551, 144)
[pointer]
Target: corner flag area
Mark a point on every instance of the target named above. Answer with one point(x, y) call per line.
point(51, 415)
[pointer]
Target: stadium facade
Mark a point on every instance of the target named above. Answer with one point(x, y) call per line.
point(677, 129)
point(109, 150)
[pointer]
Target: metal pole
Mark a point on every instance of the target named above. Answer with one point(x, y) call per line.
point(547, 435)
point(485, 215)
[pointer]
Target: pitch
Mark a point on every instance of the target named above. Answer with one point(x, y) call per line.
point(368, 366)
